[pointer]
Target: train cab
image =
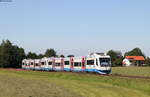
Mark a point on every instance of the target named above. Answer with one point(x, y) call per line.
point(24, 64)
point(102, 63)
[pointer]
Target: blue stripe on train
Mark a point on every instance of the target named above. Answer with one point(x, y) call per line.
point(46, 69)
point(58, 69)
point(93, 70)
point(31, 68)
point(67, 69)
point(37, 69)
point(90, 70)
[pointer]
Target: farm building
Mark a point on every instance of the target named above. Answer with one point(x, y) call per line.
point(133, 61)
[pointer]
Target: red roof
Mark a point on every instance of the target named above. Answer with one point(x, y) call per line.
point(139, 58)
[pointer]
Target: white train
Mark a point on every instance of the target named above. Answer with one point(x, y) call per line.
point(96, 62)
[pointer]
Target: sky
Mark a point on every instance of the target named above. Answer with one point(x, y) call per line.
point(76, 27)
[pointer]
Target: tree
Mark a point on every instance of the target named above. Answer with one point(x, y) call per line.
point(134, 52)
point(10, 55)
point(147, 61)
point(40, 56)
point(62, 56)
point(70, 55)
point(116, 57)
point(31, 55)
point(50, 53)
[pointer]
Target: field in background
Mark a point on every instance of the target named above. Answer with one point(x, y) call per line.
point(134, 71)
point(60, 84)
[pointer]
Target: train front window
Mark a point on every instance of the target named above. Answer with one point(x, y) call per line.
point(104, 61)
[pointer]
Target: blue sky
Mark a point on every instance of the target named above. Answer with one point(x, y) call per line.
point(76, 26)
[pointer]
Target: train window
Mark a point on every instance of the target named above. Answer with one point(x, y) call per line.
point(66, 62)
point(80, 64)
point(49, 63)
point(76, 64)
point(36, 64)
point(57, 64)
point(90, 62)
point(31, 63)
point(42, 63)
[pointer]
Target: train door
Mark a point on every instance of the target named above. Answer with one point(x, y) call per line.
point(77, 64)
point(72, 62)
point(46, 64)
point(67, 64)
point(53, 63)
point(28, 64)
point(50, 63)
point(37, 64)
point(90, 64)
point(83, 63)
point(31, 64)
point(42, 64)
point(62, 64)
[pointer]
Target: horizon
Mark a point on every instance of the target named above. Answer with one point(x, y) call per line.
point(77, 27)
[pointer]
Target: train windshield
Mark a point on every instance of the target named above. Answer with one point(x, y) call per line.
point(104, 61)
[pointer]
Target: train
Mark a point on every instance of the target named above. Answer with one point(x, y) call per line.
point(96, 62)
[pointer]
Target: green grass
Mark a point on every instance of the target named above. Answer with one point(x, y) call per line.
point(135, 71)
point(58, 84)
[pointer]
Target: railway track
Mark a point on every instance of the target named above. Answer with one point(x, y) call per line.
point(109, 75)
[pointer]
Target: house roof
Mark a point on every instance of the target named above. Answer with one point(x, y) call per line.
point(138, 58)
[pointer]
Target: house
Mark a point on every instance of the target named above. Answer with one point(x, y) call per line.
point(133, 61)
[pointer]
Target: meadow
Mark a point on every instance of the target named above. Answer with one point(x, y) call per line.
point(133, 71)
point(15, 83)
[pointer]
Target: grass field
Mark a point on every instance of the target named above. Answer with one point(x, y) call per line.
point(134, 71)
point(58, 84)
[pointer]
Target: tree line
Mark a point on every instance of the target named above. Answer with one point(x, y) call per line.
point(117, 57)
point(12, 55)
